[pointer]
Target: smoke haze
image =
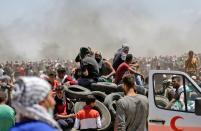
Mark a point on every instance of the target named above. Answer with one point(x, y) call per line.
point(52, 29)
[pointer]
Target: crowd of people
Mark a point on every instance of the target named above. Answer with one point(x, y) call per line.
point(32, 94)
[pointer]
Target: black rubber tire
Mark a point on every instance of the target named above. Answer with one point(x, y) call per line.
point(99, 95)
point(110, 103)
point(106, 87)
point(104, 113)
point(77, 92)
point(120, 93)
point(120, 88)
point(161, 101)
point(140, 89)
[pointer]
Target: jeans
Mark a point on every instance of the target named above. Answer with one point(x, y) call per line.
point(138, 80)
point(66, 123)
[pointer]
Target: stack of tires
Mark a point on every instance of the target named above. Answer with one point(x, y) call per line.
point(107, 94)
point(105, 87)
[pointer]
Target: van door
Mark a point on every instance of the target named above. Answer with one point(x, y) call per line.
point(172, 97)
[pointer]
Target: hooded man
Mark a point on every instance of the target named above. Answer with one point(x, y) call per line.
point(105, 68)
point(120, 57)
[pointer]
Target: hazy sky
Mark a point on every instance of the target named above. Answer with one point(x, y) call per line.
point(40, 28)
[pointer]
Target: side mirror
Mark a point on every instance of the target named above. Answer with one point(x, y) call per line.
point(198, 106)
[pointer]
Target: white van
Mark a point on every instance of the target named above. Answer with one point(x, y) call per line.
point(182, 115)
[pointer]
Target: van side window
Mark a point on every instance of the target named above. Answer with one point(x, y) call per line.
point(191, 94)
point(169, 92)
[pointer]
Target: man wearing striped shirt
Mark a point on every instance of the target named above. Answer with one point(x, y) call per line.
point(88, 119)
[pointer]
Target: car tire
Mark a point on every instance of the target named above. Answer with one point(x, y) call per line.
point(76, 92)
point(106, 87)
point(110, 103)
point(99, 95)
point(161, 101)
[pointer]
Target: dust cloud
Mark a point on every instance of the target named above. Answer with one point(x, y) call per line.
point(57, 29)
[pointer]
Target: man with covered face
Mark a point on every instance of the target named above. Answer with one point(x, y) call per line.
point(105, 68)
point(120, 56)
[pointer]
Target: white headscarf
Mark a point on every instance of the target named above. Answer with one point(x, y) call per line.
point(28, 92)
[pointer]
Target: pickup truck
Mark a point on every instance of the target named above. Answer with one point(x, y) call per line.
point(184, 114)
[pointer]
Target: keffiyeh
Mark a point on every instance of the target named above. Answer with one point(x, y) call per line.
point(28, 92)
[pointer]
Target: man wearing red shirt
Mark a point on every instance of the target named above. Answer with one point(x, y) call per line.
point(63, 108)
point(52, 80)
point(64, 78)
point(123, 68)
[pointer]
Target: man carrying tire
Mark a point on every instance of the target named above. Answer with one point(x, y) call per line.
point(132, 109)
point(88, 119)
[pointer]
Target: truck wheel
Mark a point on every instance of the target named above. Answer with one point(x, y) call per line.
point(161, 101)
point(103, 111)
point(76, 91)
